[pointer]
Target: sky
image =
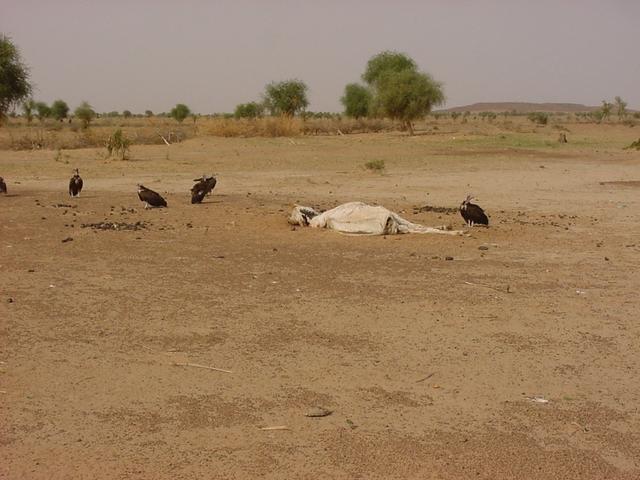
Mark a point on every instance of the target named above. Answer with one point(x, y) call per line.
point(213, 55)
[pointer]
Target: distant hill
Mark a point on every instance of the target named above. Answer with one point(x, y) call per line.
point(522, 107)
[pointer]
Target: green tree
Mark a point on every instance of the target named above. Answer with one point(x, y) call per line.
point(85, 113)
point(180, 112)
point(148, 113)
point(14, 77)
point(127, 114)
point(356, 100)
point(248, 110)
point(407, 95)
point(44, 111)
point(28, 106)
point(59, 110)
point(286, 98)
point(621, 107)
point(384, 62)
point(605, 110)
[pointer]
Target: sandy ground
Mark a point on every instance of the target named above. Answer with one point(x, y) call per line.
point(429, 365)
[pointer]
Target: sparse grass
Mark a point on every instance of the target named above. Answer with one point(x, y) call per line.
point(375, 165)
point(634, 145)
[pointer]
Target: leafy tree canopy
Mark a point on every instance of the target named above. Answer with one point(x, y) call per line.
point(356, 100)
point(180, 112)
point(14, 77)
point(384, 62)
point(286, 98)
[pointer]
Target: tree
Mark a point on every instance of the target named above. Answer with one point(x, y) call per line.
point(127, 114)
point(14, 77)
point(59, 110)
point(43, 110)
point(180, 112)
point(85, 113)
point(621, 107)
point(605, 110)
point(384, 62)
point(356, 100)
point(286, 98)
point(148, 113)
point(28, 106)
point(248, 110)
point(407, 95)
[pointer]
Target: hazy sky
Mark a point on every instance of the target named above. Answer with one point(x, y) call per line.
point(212, 55)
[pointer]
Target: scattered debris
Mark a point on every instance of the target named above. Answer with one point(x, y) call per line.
point(277, 427)
point(483, 247)
point(68, 239)
point(139, 225)
point(448, 258)
point(431, 208)
point(318, 412)
point(197, 365)
point(538, 399)
point(426, 378)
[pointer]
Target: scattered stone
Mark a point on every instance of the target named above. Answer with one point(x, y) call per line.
point(68, 239)
point(448, 258)
point(483, 247)
point(318, 412)
point(139, 225)
point(10, 300)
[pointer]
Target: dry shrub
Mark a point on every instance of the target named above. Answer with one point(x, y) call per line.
point(259, 127)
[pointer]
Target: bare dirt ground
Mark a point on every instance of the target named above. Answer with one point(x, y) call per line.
point(429, 365)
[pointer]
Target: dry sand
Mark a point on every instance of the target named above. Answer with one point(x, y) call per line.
point(304, 318)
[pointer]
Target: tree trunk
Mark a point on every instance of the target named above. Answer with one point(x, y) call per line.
point(409, 127)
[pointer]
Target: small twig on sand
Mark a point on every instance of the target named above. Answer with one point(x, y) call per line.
point(501, 290)
point(426, 378)
point(340, 133)
point(277, 427)
point(197, 365)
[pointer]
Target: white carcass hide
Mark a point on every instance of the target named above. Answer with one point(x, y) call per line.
point(360, 218)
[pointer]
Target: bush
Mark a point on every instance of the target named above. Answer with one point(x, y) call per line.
point(248, 110)
point(539, 118)
point(118, 144)
point(634, 145)
point(375, 165)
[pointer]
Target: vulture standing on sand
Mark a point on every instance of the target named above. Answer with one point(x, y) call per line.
point(150, 198)
point(472, 213)
point(75, 184)
point(203, 187)
point(3, 186)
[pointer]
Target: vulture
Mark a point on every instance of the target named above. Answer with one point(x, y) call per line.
point(472, 213)
point(203, 187)
point(150, 198)
point(3, 186)
point(75, 184)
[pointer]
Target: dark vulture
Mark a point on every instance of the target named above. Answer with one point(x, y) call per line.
point(204, 186)
point(150, 198)
point(472, 213)
point(75, 184)
point(3, 186)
